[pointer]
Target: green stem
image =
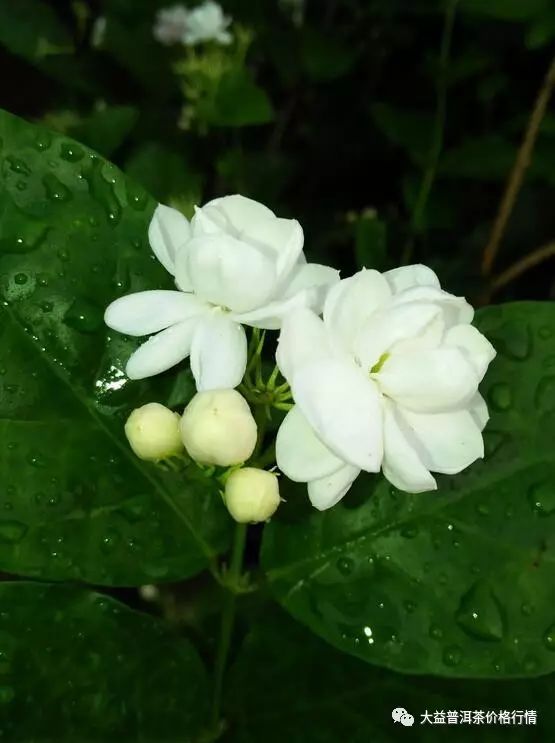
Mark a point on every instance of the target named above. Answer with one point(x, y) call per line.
point(228, 619)
point(428, 177)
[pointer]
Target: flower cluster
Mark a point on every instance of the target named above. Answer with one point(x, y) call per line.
point(381, 370)
point(179, 25)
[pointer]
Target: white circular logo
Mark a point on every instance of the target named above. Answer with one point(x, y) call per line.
point(401, 715)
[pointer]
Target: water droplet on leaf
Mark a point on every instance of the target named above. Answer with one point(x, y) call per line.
point(479, 613)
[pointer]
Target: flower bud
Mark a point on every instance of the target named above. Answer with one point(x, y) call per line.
point(217, 427)
point(252, 495)
point(153, 432)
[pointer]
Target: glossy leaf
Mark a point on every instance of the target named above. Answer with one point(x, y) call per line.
point(288, 685)
point(31, 29)
point(74, 502)
point(459, 582)
point(76, 665)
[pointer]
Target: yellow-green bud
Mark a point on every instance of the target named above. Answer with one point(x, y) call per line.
point(252, 495)
point(217, 427)
point(153, 432)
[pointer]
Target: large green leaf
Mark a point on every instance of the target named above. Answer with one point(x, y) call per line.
point(459, 582)
point(74, 502)
point(79, 666)
point(287, 685)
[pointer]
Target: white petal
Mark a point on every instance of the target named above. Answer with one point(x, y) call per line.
point(446, 442)
point(307, 289)
point(479, 349)
point(479, 411)
point(229, 272)
point(429, 381)
point(284, 237)
point(235, 211)
point(388, 327)
point(218, 352)
point(456, 309)
point(406, 277)
point(401, 464)
point(162, 351)
point(303, 340)
point(299, 452)
point(351, 302)
point(328, 491)
point(168, 231)
point(148, 312)
point(344, 407)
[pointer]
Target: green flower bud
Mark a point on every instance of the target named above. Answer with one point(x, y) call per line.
point(252, 495)
point(217, 427)
point(153, 432)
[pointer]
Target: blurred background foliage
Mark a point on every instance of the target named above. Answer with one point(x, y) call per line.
point(387, 127)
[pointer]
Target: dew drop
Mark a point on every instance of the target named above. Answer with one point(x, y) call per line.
point(549, 638)
point(345, 565)
point(500, 396)
point(55, 189)
point(435, 632)
point(12, 532)
point(452, 655)
point(545, 332)
point(43, 140)
point(409, 532)
point(17, 165)
point(71, 152)
point(541, 497)
point(515, 342)
point(21, 278)
point(83, 316)
point(544, 397)
point(479, 613)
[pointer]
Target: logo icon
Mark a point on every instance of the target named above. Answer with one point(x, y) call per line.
point(401, 715)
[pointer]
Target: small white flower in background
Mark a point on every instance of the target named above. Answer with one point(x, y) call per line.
point(234, 264)
point(171, 24)
point(98, 31)
point(207, 22)
point(388, 379)
point(153, 432)
point(252, 495)
point(218, 428)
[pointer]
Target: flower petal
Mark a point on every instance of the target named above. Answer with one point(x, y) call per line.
point(307, 289)
point(284, 237)
point(479, 411)
point(406, 277)
point(328, 491)
point(351, 302)
point(479, 349)
point(344, 408)
point(218, 352)
point(162, 351)
point(148, 312)
point(168, 231)
point(429, 381)
point(229, 272)
point(235, 211)
point(401, 464)
point(303, 340)
point(299, 452)
point(446, 442)
point(456, 309)
point(388, 327)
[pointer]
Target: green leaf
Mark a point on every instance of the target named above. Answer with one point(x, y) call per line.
point(31, 29)
point(484, 158)
point(459, 582)
point(326, 58)
point(75, 502)
point(166, 175)
point(370, 241)
point(314, 694)
point(541, 30)
point(411, 130)
point(107, 128)
point(507, 10)
point(76, 665)
point(238, 101)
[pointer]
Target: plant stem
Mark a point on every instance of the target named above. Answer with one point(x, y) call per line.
point(428, 177)
point(524, 264)
point(516, 175)
point(228, 619)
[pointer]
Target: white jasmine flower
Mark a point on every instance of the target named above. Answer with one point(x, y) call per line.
point(388, 379)
point(153, 432)
point(207, 22)
point(218, 427)
point(252, 495)
point(235, 264)
point(171, 24)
